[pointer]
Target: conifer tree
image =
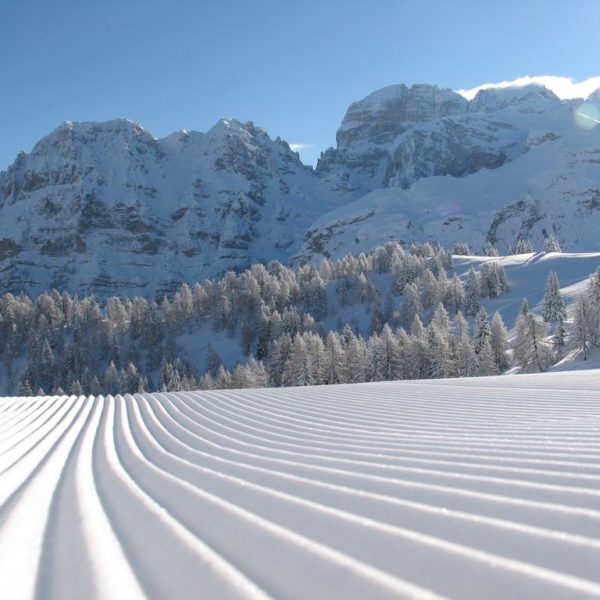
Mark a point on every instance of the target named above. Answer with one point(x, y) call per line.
point(332, 359)
point(583, 324)
point(437, 355)
point(554, 306)
point(25, 388)
point(482, 330)
point(110, 380)
point(486, 361)
point(471, 302)
point(411, 305)
point(499, 342)
point(593, 300)
point(551, 244)
point(466, 364)
point(75, 389)
point(531, 350)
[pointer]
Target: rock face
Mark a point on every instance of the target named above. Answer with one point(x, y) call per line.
point(399, 135)
point(107, 208)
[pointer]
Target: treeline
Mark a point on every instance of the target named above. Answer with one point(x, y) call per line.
point(445, 348)
point(277, 316)
point(521, 246)
point(59, 342)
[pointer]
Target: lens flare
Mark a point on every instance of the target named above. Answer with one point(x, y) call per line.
point(587, 116)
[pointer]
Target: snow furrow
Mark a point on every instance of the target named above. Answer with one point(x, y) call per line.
point(459, 488)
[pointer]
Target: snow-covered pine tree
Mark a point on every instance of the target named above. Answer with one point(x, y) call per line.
point(222, 380)
point(482, 330)
point(206, 382)
point(418, 350)
point(485, 358)
point(499, 342)
point(110, 380)
point(559, 338)
point(411, 305)
point(441, 320)
point(390, 366)
point(583, 325)
point(333, 358)
point(465, 359)
point(523, 246)
point(297, 369)
point(490, 249)
point(531, 349)
point(551, 244)
point(555, 309)
point(455, 295)
point(472, 287)
point(461, 249)
point(25, 388)
point(437, 354)
point(593, 298)
point(75, 389)
point(279, 355)
point(428, 288)
point(377, 319)
point(492, 280)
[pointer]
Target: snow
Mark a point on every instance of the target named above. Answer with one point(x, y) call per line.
point(527, 275)
point(564, 87)
point(457, 488)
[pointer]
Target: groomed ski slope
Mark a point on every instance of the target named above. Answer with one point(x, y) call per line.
point(472, 488)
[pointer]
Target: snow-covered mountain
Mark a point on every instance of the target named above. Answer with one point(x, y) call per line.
point(108, 208)
point(424, 164)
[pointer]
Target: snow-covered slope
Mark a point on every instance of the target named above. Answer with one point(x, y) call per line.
point(462, 489)
point(527, 275)
point(106, 208)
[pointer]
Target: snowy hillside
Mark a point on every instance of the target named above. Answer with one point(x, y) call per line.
point(275, 325)
point(452, 488)
point(106, 208)
point(527, 275)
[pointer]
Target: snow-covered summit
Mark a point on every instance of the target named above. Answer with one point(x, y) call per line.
point(529, 96)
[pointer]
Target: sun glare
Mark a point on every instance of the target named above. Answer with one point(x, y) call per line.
point(587, 116)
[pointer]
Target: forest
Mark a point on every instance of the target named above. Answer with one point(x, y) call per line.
point(291, 326)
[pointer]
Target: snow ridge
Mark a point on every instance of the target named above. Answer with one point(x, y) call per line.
point(420, 489)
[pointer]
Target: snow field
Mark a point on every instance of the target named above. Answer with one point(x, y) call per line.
point(464, 488)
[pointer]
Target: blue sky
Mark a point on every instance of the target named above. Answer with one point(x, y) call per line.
point(292, 67)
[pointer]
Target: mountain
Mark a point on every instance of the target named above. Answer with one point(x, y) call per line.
point(424, 164)
point(107, 208)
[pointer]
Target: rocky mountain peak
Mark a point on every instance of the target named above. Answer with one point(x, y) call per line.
point(497, 98)
point(388, 112)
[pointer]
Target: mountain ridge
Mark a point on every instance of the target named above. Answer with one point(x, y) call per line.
point(108, 208)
